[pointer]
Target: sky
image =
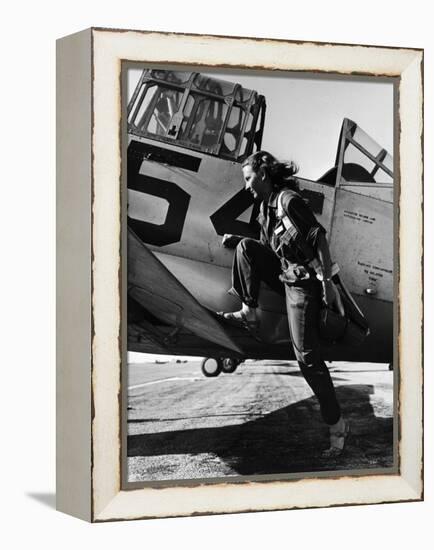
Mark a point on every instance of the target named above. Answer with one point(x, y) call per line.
point(304, 118)
point(304, 115)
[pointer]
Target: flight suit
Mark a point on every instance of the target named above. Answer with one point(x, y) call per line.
point(281, 259)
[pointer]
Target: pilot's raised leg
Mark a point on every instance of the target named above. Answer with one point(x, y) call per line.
point(253, 262)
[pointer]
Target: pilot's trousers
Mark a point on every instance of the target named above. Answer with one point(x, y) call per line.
point(255, 262)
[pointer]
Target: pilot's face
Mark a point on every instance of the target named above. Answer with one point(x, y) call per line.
point(254, 182)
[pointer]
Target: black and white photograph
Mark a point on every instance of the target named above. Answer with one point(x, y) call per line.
point(260, 281)
point(217, 285)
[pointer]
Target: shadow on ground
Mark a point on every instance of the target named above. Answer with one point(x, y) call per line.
point(47, 499)
point(288, 440)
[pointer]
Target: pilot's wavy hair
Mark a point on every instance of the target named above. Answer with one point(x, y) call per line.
point(281, 174)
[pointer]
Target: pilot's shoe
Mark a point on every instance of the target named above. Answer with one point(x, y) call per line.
point(239, 320)
point(338, 436)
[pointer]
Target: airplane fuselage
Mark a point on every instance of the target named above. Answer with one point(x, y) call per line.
point(183, 198)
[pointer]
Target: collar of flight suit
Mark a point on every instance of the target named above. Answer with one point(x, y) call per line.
point(270, 203)
point(272, 199)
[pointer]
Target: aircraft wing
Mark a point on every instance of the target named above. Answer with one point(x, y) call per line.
point(159, 292)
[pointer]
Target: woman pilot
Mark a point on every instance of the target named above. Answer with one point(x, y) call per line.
point(292, 257)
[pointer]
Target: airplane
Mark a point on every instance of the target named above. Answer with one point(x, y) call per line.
point(187, 135)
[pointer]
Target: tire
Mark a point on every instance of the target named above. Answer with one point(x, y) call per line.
point(229, 365)
point(211, 367)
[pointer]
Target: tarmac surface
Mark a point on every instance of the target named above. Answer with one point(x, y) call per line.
point(262, 419)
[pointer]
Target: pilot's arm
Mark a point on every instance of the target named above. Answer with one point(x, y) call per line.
point(326, 264)
point(231, 241)
point(315, 244)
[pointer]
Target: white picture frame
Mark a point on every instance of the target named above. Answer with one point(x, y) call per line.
point(89, 274)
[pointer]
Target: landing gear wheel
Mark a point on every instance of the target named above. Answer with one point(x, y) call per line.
point(211, 366)
point(230, 365)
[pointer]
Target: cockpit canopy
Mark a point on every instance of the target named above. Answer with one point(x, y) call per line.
point(198, 112)
point(359, 159)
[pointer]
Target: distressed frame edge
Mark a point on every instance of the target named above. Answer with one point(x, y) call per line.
point(113, 510)
point(194, 36)
point(412, 488)
point(411, 252)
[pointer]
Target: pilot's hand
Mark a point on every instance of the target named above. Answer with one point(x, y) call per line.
point(230, 241)
point(328, 293)
point(332, 297)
